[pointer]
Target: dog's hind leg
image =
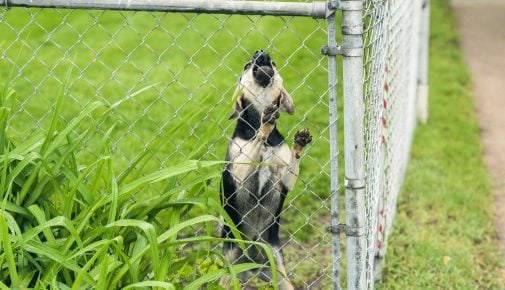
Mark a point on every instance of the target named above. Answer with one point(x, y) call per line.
point(282, 278)
point(302, 138)
point(234, 255)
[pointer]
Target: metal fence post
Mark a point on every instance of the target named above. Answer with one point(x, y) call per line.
point(354, 144)
point(333, 114)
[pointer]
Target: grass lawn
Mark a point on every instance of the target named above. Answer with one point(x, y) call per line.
point(443, 235)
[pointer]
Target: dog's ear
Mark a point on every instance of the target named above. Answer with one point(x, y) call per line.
point(237, 108)
point(247, 66)
point(286, 102)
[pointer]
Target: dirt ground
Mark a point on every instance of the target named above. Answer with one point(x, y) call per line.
point(481, 24)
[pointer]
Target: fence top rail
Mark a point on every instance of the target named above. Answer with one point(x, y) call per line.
point(316, 9)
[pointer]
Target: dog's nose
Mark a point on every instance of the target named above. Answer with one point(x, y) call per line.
point(261, 58)
point(260, 54)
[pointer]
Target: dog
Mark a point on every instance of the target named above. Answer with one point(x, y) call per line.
point(260, 167)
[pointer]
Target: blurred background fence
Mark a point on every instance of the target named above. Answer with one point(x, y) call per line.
point(170, 68)
point(395, 94)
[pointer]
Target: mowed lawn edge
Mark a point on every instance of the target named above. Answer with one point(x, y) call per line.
point(443, 235)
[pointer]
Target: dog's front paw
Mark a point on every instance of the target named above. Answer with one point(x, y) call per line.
point(303, 137)
point(270, 114)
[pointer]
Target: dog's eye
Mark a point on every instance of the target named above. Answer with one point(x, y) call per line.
point(273, 63)
point(247, 65)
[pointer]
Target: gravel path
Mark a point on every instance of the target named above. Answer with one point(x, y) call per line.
point(481, 24)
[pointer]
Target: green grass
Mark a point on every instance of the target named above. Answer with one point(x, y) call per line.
point(443, 235)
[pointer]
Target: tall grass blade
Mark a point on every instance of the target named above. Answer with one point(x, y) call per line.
point(61, 136)
point(40, 217)
point(181, 168)
point(164, 237)
point(31, 144)
point(55, 222)
point(78, 185)
point(3, 286)
point(140, 244)
point(151, 206)
point(26, 277)
point(13, 226)
point(54, 119)
point(27, 185)
point(101, 272)
point(150, 284)
point(55, 255)
point(100, 248)
point(21, 167)
point(7, 249)
point(4, 116)
point(191, 222)
point(114, 193)
point(14, 208)
point(150, 233)
point(214, 276)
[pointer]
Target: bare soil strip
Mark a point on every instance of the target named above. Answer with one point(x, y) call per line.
point(481, 25)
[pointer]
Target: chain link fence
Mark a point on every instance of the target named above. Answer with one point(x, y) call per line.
point(172, 76)
point(396, 38)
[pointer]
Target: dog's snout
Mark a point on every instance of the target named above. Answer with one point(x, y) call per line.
point(261, 58)
point(262, 68)
point(263, 75)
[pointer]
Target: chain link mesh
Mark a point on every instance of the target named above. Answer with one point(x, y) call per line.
point(171, 77)
point(391, 48)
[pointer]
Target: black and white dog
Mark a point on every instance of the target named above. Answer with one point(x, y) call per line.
point(262, 167)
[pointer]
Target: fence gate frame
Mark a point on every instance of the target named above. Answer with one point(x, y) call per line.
point(352, 52)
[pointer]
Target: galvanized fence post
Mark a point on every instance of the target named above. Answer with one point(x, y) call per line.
point(333, 114)
point(354, 143)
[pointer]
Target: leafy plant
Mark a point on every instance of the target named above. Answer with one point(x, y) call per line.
point(68, 224)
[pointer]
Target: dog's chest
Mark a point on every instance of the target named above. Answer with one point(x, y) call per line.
point(265, 176)
point(259, 96)
point(264, 184)
point(269, 173)
point(259, 197)
point(258, 193)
